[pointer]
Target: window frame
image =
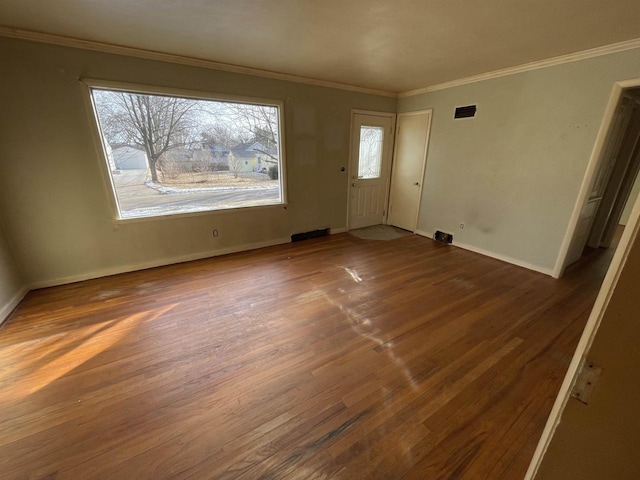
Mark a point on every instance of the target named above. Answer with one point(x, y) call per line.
point(145, 89)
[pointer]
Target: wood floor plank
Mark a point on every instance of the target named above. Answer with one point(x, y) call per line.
point(330, 358)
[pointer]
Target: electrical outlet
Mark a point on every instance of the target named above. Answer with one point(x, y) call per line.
point(462, 226)
point(215, 232)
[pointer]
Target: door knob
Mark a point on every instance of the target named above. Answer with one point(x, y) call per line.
point(353, 185)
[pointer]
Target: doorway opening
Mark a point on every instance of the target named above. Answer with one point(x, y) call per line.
point(614, 186)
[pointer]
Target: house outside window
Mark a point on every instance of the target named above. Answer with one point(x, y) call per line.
point(169, 154)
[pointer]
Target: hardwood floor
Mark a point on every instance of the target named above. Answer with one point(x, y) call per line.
point(329, 358)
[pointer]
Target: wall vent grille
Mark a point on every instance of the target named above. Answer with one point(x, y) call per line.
point(465, 112)
point(296, 237)
point(443, 237)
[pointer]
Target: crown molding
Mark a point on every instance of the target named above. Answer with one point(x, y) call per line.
point(61, 40)
point(64, 41)
point(526, 67)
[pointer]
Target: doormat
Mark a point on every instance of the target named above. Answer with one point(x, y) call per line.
point(379, 232)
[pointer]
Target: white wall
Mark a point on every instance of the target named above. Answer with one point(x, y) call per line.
point(513, 173)
point(12, 288)
point(52, 196)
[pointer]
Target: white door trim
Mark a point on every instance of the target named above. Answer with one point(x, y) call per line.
point(355, 112)
point(594, 161)
point(424, 160)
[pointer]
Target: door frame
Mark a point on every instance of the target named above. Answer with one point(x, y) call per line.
point(592, 169)
point(355, 112)
point(424, 160)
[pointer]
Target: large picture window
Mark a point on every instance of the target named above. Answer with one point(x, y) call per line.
point(169, 154)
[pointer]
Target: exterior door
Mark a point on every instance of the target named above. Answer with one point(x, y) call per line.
point(371, 139)
point(412, 137)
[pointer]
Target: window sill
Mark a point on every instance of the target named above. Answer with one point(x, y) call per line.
point(222, 211)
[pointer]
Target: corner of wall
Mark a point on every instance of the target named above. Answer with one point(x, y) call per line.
point(12, 286)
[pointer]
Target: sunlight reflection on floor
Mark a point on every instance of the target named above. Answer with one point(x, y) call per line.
point(353, 273)
point(364, 327)
point(91, 341)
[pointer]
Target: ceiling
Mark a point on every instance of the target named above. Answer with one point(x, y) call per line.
point(391, 45)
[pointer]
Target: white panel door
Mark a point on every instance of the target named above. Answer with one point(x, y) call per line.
point(371, 139)
point(412, 136)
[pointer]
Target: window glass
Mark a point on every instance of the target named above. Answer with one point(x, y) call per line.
point(171, 155)
point(370, 159)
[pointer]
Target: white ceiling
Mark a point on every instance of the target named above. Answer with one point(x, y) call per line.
point(383, 44)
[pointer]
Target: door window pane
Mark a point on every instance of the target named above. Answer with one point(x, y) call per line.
point(370, 159)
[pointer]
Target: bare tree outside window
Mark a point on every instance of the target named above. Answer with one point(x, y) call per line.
point(171, 154)
point(151, 122)
point(259, 121)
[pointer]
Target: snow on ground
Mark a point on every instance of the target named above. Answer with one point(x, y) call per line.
point(168, 209)
point(173, 190)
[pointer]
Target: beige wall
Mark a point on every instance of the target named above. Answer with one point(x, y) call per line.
point(11, 286)
point(52, 197)
point(513, 173)
point(601, 441)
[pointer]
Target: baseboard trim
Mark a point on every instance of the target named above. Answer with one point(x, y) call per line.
point(497, 256)
point(335, 231)
point(505, 258)
point(7, 309)
point(156, 263)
